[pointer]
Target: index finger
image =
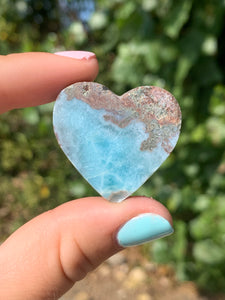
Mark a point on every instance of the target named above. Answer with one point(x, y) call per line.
point(35, 78)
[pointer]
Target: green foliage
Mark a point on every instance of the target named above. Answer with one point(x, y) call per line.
point(35, 175)
point(178, 45)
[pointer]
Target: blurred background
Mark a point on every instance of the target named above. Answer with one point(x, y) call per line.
point(178, 45)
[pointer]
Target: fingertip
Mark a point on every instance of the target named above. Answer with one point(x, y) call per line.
point(82, 56)
point(94, 68)
point(145, 204)
point(134, 221)
point(30, 79)
point(77, 54)
point(149, 220)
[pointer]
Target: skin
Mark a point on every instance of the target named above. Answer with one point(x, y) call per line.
point(47, 255)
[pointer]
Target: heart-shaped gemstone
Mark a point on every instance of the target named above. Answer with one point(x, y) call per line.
point(116, 142)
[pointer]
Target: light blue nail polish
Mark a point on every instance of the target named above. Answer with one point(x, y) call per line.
point(142, 229)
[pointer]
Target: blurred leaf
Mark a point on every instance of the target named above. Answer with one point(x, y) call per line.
point(98, 21)
point(31, 115)
point(177, 17)
point(209, 47)
point(208, 252)
point(202, 203)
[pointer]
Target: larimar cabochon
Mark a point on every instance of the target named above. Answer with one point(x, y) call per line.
point(116, 142)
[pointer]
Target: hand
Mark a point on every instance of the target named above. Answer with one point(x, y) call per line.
point(46, 256)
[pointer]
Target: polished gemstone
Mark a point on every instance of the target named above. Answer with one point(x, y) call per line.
point(116, 142)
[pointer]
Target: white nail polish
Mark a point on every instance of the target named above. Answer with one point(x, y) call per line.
point(76, 54)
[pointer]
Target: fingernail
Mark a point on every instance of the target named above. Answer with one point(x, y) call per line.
point(76, 54)
point(142, 229)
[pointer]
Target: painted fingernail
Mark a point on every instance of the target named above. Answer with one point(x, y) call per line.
point(76, 54)
point(142, 229)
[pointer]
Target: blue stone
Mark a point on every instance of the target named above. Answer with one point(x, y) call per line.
point(116, 142)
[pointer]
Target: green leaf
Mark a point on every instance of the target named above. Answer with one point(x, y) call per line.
point(208, 252)
point(31, 115)
point(177, 17)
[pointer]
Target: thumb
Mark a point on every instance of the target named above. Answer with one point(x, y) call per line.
point(46, 256)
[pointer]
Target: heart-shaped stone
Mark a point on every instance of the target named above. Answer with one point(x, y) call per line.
point(116, 142)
